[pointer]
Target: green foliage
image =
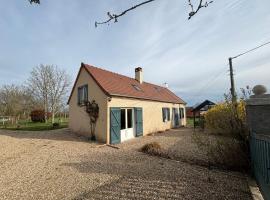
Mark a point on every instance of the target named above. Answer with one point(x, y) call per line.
point(222, 119)
point(26, 125)
point(56, 125)
point(227, 146)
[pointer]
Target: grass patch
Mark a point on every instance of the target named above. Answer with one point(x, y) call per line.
point(25, 125)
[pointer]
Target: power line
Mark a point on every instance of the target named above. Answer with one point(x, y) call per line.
point(211, 80)
point(233, 92)
point(241, 54)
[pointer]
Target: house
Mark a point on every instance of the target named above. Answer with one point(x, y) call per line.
point(189, 113)
point(128, 107)
point(201, 108)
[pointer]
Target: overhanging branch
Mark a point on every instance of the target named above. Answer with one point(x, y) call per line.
point(114, 17)
point(201, 5)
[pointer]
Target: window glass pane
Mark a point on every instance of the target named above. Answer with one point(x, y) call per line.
point(182, 112)
point(129, 118)
point(123, 119)
point(163, 114)
point(85, 95)
point(79, 95)
point(82, 98)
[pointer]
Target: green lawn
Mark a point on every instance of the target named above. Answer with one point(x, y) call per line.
point(25, 125)
point(190, 122)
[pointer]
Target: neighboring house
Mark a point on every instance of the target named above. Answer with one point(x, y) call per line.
point(128, 107)
point(199, 111)
point(201, 108)
point(189, 112)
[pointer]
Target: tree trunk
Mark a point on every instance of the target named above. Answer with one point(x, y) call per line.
point(53, 113)
point(45, 110)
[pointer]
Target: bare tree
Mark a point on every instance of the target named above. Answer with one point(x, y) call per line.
point(11, 101)
point(114, 17)
point(49, 84)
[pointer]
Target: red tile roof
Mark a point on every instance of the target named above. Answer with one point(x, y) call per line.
point(114, 84)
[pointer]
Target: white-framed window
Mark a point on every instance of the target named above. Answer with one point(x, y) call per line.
point(166, 114)
point(82, 95)
point(126, 118)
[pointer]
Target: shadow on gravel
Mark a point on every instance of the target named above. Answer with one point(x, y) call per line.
point(145, 177)
point(136, 188)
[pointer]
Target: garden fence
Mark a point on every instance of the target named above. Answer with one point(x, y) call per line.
point(260, 161)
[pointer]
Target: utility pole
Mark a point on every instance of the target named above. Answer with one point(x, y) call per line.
point(233, 92)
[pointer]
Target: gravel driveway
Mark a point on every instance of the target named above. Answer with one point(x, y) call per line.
point(60, 165)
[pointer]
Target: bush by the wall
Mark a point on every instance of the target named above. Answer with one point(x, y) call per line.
point(221, 119)
point(231, 148)
point(223, 152)
point(37, 116)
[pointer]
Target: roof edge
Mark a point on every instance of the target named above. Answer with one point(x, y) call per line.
point(76, 80)
point(148, 99)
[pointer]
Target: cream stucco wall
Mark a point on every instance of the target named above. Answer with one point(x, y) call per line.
point(78, 118)
point(152, 113)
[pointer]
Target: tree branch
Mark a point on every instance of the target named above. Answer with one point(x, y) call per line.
point(201, 5)
point(34, 1)
point(115, 17)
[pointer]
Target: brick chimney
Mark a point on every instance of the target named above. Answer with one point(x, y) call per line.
point(139, 75)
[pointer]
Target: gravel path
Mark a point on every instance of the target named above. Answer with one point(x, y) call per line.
point(59, 165)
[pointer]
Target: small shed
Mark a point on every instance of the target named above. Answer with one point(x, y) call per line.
point(199, 110)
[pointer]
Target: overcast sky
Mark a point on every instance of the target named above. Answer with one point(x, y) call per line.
point(190, 55)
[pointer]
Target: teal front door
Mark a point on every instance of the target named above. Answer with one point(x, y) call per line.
point(115, 125)
point(138, 121)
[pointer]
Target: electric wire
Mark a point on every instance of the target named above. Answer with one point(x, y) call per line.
point(241, 54)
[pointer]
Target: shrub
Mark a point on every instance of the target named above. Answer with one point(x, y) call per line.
point(151, 147)
point(56, 125)
point(231, 149)
point(223, 152)
point(154, 149)
point(222, 119)
point(37, 116)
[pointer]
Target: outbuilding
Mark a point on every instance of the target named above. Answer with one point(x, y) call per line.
point(127, 107)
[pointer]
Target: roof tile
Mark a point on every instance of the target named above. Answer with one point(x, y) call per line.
point(119, 85)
